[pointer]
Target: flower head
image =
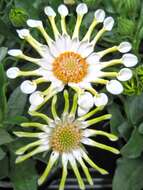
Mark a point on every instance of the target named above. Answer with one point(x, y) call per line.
point(67, 60)
point(63, 137)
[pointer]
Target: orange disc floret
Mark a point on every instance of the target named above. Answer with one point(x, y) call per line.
point(70, 67)
point(65, 138)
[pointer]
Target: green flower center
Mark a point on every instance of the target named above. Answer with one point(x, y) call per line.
point(65, 138)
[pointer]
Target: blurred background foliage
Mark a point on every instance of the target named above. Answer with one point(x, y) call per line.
point(127, 109)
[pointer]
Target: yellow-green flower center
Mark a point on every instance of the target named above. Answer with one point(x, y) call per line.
point(70, 67)
point(65, 138)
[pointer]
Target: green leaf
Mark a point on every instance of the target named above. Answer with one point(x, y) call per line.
point(3, 52)
point(16, 103)
point(24, 177)
point(17, 120)
point(128, 175)
point(125, 130)
point(141, 128)
point(134, 109)
point(5, 30)
point(117, 118)
point(4, 164)
point(4, 137)
point(3, 102)
point(134, 146)
point(2, 154)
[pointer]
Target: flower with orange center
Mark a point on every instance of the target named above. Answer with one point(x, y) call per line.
point(70, 67)
point(67, 60)
point(64, 138)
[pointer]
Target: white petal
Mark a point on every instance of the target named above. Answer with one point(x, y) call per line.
point(49, 11)
point(100, 15)
point(34, 23)
point(45, 64)
point(43, 72)
point(12, 72)
point(23, 33)
point(129, 60)
point(15, 52)
point(124, 47)
point(28, 87)
point(32, 108)
point(58, 85)
point(36, 98)
point(101, 100)
point(84, 85)
point(85, 49)
point(114, 87)
point(85, 100)
point(76, 153)
point(62, 44)
point(81, 111)
point(93, 58)
point(54, 50)
point(63, 10)
point(82, 9)
point(125, 74)
point(108, 23)
point(94, 71)
point(75, 45)
point(47, 53)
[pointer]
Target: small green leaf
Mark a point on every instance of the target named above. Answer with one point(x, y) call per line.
point(128, 175)
point(134, 146)
point(134, 109)
point(3, 101)
point(16, 103)
point(117, 118)
point(3, 52)
point(2, 154)
point(141, 128)
point(4, 164)
point(17, 120)
point(4, 137)
point(125, 130)
point(24, 177)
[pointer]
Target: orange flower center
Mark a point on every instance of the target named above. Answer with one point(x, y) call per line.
point(70, 67)
point(65, 138)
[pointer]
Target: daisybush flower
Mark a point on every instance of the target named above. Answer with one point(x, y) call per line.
point(63, 137)
point(67, 60)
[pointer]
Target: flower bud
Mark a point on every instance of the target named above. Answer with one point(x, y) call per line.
point(18, 17)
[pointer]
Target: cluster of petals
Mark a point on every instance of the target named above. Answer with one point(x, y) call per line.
point(63, 139)
point(59, 57)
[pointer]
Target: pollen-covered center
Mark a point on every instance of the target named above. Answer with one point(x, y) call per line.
point(65, 138)
point(70, 67)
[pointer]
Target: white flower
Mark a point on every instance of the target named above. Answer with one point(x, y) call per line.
point(108, 23)
point(125, 74)
point(114, 87)
point(99, 15)
point(49, 11)
point(13, 72)
point(36, 98)
point(15, 52)
point(28, 87)
point(124, 47)
point(66, 60)
point(129, 60)
point(63, 10)
point(85, 101)
point(34, 23)
point(64, 139)
point(101, 100)
point(82, 9)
